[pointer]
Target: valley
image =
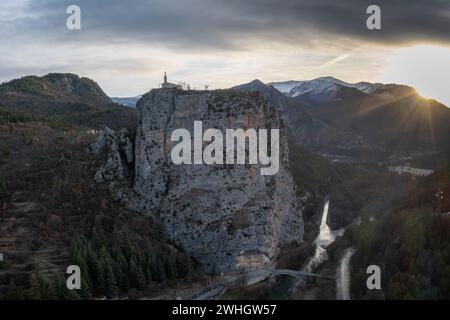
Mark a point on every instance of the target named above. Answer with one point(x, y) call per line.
point(353, 189)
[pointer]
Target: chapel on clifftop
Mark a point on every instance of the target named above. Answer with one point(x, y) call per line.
point(166, 85)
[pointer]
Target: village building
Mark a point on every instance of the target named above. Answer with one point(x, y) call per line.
point(168, 85)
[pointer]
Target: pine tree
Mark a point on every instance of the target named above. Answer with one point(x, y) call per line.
point(160, 272)
point(122, 272)
point(85, 291)
point(85, 273)
point(126, 283)
point(104, 254)
point(101, 282)
point(74, 253)
point(62, 293)
point(136, 275)
point(60, 287)
point(111, 290)
point(92, 263)
point(148, 275)
point(152, 263)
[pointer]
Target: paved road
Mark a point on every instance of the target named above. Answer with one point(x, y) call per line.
point(343, 276)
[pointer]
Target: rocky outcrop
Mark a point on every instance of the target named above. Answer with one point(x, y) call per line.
point(227, 216)
point(115, 172)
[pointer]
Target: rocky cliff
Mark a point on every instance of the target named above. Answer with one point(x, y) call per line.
point(116, 172)
point(302, 125)
point(227, 216)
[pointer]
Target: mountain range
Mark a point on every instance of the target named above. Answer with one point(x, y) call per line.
point(320, 87)
point(344, 121)
point(361, 121)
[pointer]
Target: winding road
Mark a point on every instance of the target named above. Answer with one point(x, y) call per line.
point(343, 276)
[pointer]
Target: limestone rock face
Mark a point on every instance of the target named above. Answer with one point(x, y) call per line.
point(229, 217)
point(115, 172)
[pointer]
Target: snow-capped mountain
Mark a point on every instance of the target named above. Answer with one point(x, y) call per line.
point(365, 87)
point(320, 86)
point(360, 120)
point(285, 86)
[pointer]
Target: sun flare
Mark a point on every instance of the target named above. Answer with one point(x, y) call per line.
point(425, 67)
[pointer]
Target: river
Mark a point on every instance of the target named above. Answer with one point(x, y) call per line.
point(324, 239)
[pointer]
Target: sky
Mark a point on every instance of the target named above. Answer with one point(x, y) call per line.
point(127, 45)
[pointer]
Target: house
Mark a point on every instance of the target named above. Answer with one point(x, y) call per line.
point(168, 85)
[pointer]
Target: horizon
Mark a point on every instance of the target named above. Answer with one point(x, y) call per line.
point(268, 83)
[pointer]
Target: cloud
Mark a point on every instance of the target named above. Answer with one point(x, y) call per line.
point(125, 45)
point(191, 24)
point(333, 61)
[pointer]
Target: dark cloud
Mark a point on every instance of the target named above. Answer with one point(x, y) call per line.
point(200, 24)
point(402, 20)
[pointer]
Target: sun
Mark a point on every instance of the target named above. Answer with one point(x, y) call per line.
point(424, 96)
point(425, 67)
